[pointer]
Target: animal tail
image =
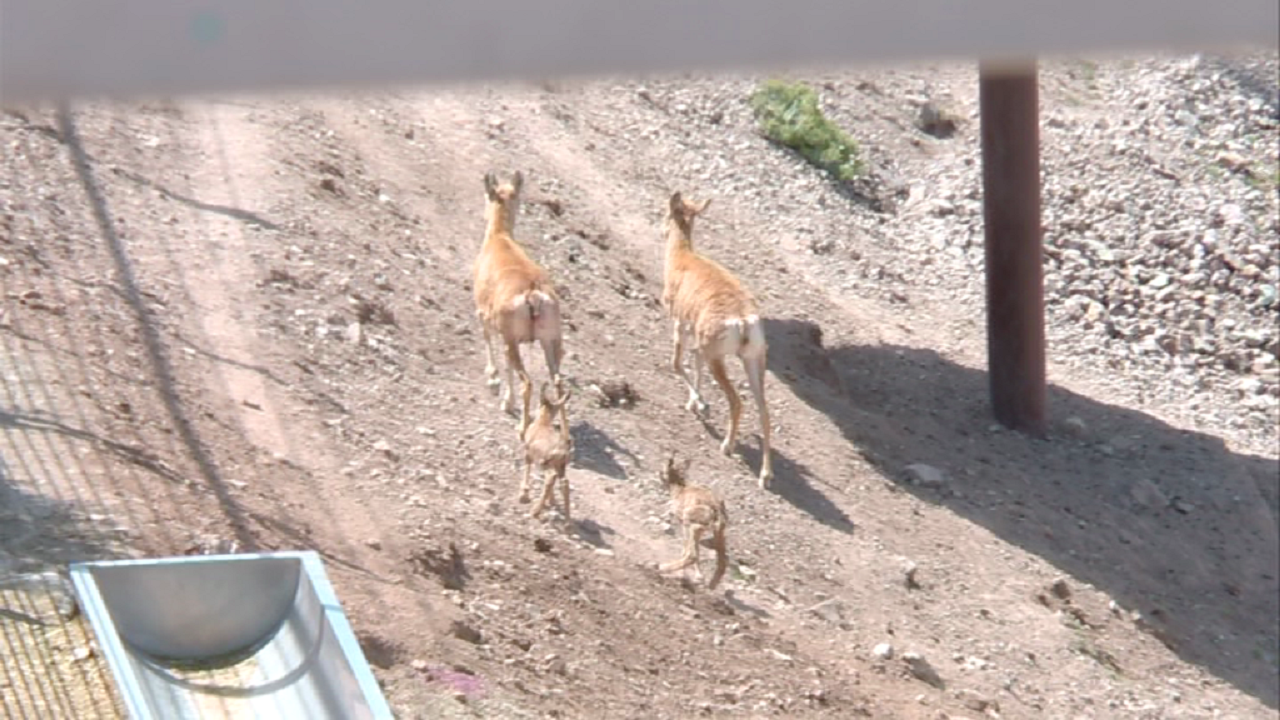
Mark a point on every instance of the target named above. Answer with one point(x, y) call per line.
point(540, 298)
point(754, 327)
point(746, 334)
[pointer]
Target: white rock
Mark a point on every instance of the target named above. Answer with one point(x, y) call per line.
point(926, 475)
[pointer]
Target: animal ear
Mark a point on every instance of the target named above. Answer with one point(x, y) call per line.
point(684, 468)
point(677, 203)
point(517, 181)
point(542, 393)
point(489, 183)
point(702, 206)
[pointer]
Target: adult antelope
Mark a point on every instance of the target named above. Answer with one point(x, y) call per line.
point(515, 298)
point(717, 316)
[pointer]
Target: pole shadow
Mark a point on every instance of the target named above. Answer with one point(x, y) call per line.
point(1168, 522)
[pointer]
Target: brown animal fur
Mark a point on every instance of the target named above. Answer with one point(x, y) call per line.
point(718, 317)
point(515, 298)
point(699, 510)
point(549, 450)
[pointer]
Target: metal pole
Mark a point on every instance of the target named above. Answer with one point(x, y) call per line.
point(1009, 105)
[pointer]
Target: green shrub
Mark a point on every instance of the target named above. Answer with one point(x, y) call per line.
point(789, 115)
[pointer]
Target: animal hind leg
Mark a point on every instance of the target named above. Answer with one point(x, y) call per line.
point(722, 556)
point(548, 487)
point(692, 535)
point(695, 402)
point(516, 366)
point(721, 374)
point(524, 482)
point(490, 367)
point(564, 492)
point(553, 350)
point(755, 378)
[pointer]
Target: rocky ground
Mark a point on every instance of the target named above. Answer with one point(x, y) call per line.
point(253, 331)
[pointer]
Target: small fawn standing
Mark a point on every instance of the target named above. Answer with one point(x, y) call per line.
point(549, 450)
point(717, 316)
point(699, 510)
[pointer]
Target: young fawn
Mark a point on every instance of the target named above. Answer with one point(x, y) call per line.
point(549, 450)
point(699, 510)
point(718, 318)
point(515, 298)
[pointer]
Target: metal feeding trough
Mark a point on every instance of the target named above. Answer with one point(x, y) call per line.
point(227, 636)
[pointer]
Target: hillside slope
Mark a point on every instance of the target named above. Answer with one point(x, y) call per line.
point(271, 344)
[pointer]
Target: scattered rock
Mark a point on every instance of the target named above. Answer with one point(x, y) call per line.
point(921, 669)
point(213, 545)
point(972, 700)
point(1235, 162)
point(466, 633)
point(831, 610)
point(329, 168)
point(883, 651)
point(384, 447)
point(1076, 427)
point(372, 312)
point(615, 393)
point(553, 206)
point(926, 475)
point(936, 121)
point(355, 333)
point(909, 570)
point(447, 566)
point(1060, 589)
point(1145, 493)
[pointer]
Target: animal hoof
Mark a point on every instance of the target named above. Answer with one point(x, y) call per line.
point(765, 480)
point(726, 447)
point(522, 498)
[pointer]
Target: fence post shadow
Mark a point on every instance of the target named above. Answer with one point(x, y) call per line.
point(1206, 536)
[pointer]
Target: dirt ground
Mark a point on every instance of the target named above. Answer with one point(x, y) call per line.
point(246, 324)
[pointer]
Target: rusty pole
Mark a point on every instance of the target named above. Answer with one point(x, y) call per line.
point(1009, 106)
